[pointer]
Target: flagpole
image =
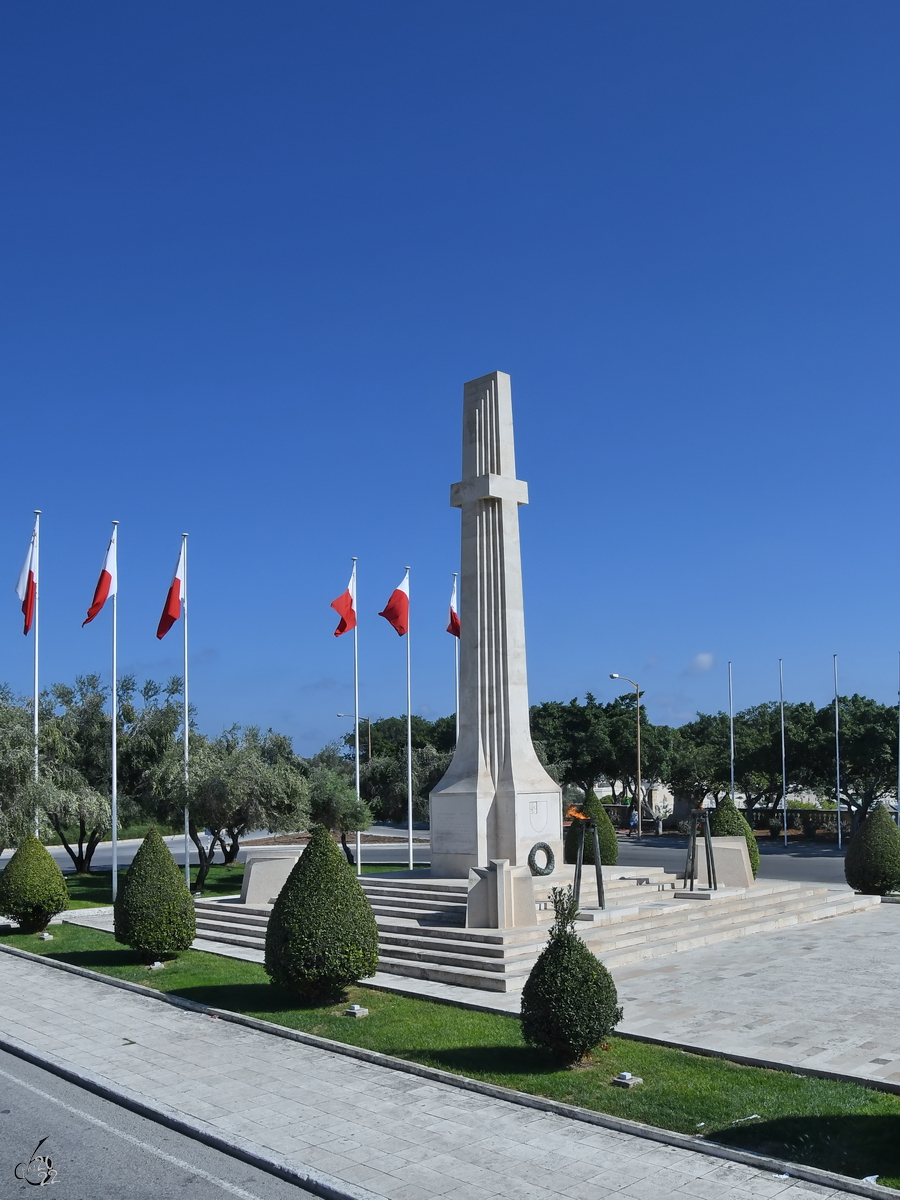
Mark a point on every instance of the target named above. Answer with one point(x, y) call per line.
point(731, 729)
point(409, 792)
point(783, 755)
point(115, 781)
point(837, 752)
point(37, 593)
point(184, 613)
point(456, 658)
point(356, 722)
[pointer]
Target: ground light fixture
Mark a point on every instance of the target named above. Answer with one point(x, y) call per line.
point(638, 792)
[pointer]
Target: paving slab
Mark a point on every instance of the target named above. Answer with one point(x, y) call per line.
point(438, 1140)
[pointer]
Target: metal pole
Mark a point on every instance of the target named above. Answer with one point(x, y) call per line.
point(598, 863)
point(898, 753)
point(783, 756)
point(184, 614)
point(640, 797)
point(579, 861)
point(37, 595)
point(356, 730)
point(409, 791)
point(115, 782)
point(837, 753)
point(731, 729)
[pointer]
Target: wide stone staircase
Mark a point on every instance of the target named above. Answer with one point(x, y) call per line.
point(422, 934)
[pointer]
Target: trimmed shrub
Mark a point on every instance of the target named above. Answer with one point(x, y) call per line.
point(322, 933)
point(872, 863)
point(569, 1002)
point(726, 821)
point(609, 844)
point(32, 888)
point(154, 911)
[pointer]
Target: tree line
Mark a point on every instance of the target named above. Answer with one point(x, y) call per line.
point(246, 778)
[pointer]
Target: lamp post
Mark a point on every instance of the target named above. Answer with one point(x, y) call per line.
point(368, 720)
point(637, 692)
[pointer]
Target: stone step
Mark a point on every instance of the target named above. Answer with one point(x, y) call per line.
point(244, 928)
point(232, 938)
point(474, 952)
point(485, 981)
point(697, 938)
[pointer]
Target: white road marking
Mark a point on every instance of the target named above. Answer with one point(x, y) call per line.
point(169, 1158)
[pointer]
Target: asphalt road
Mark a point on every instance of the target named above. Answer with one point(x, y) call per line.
point(103, 1152)
point(799, 864)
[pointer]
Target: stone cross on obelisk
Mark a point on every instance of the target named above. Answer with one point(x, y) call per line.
point(496, 800)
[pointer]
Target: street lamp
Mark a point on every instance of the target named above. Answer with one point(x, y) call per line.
point(637, 690)
point(369, 719)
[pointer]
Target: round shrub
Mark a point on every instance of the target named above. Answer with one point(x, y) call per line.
point(609, 844)
point(32, 888)
point(154, 911)
point(872, 863)
point(726, 821)
point(322, 933)
point(569, 1002)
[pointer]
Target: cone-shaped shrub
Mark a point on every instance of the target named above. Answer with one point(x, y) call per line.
point(569, 1002)
point(609, 844)
point(872, 865)
point(726, 821)
point(154, 911)
point(32, 888)
point(322, 933)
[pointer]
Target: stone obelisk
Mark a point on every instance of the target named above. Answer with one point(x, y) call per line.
point(496, 800)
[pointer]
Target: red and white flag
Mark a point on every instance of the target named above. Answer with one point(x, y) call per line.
point(26, 588)
point(172, 607)
point(106, 584)
point(345, 606)
point(396, 611)
point(453, 627)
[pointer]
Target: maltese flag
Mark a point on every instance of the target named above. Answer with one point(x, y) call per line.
point(345, 606)
point(172, 607)
point(26, 588)
point(106, 584)
point(396, 611)
point(453, 627)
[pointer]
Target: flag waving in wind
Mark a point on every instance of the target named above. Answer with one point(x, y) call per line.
point(345, 606)
point(26, 588)
point(172, 607)
point(453, 627)
point(396, 611)
point(106, 584)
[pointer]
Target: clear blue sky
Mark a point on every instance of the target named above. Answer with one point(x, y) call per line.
point(251, 252)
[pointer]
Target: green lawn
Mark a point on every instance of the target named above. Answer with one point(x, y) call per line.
point(840, 1126)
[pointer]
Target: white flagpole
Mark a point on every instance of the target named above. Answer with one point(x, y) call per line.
point(356, 715)
point(409, 791)
point(37, 594)
point(115, 715)
point(731, 729)
point(184, 616)
point(783, 756)
point(898, 757)
point(837, 752)
point(456, 658)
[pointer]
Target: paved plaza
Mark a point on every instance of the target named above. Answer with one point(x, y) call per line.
point(371, 1130)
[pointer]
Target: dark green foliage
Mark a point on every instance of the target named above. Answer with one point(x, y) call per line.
point(726, 821)
point(569, 1002)
point(609, 844)
point(322, 933)
point(32, 888)
point(872, 865)
point(154, 911)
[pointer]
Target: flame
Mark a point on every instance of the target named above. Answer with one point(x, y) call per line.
point(576, 814)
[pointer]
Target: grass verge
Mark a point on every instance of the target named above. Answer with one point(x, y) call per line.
point(839, 1126)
